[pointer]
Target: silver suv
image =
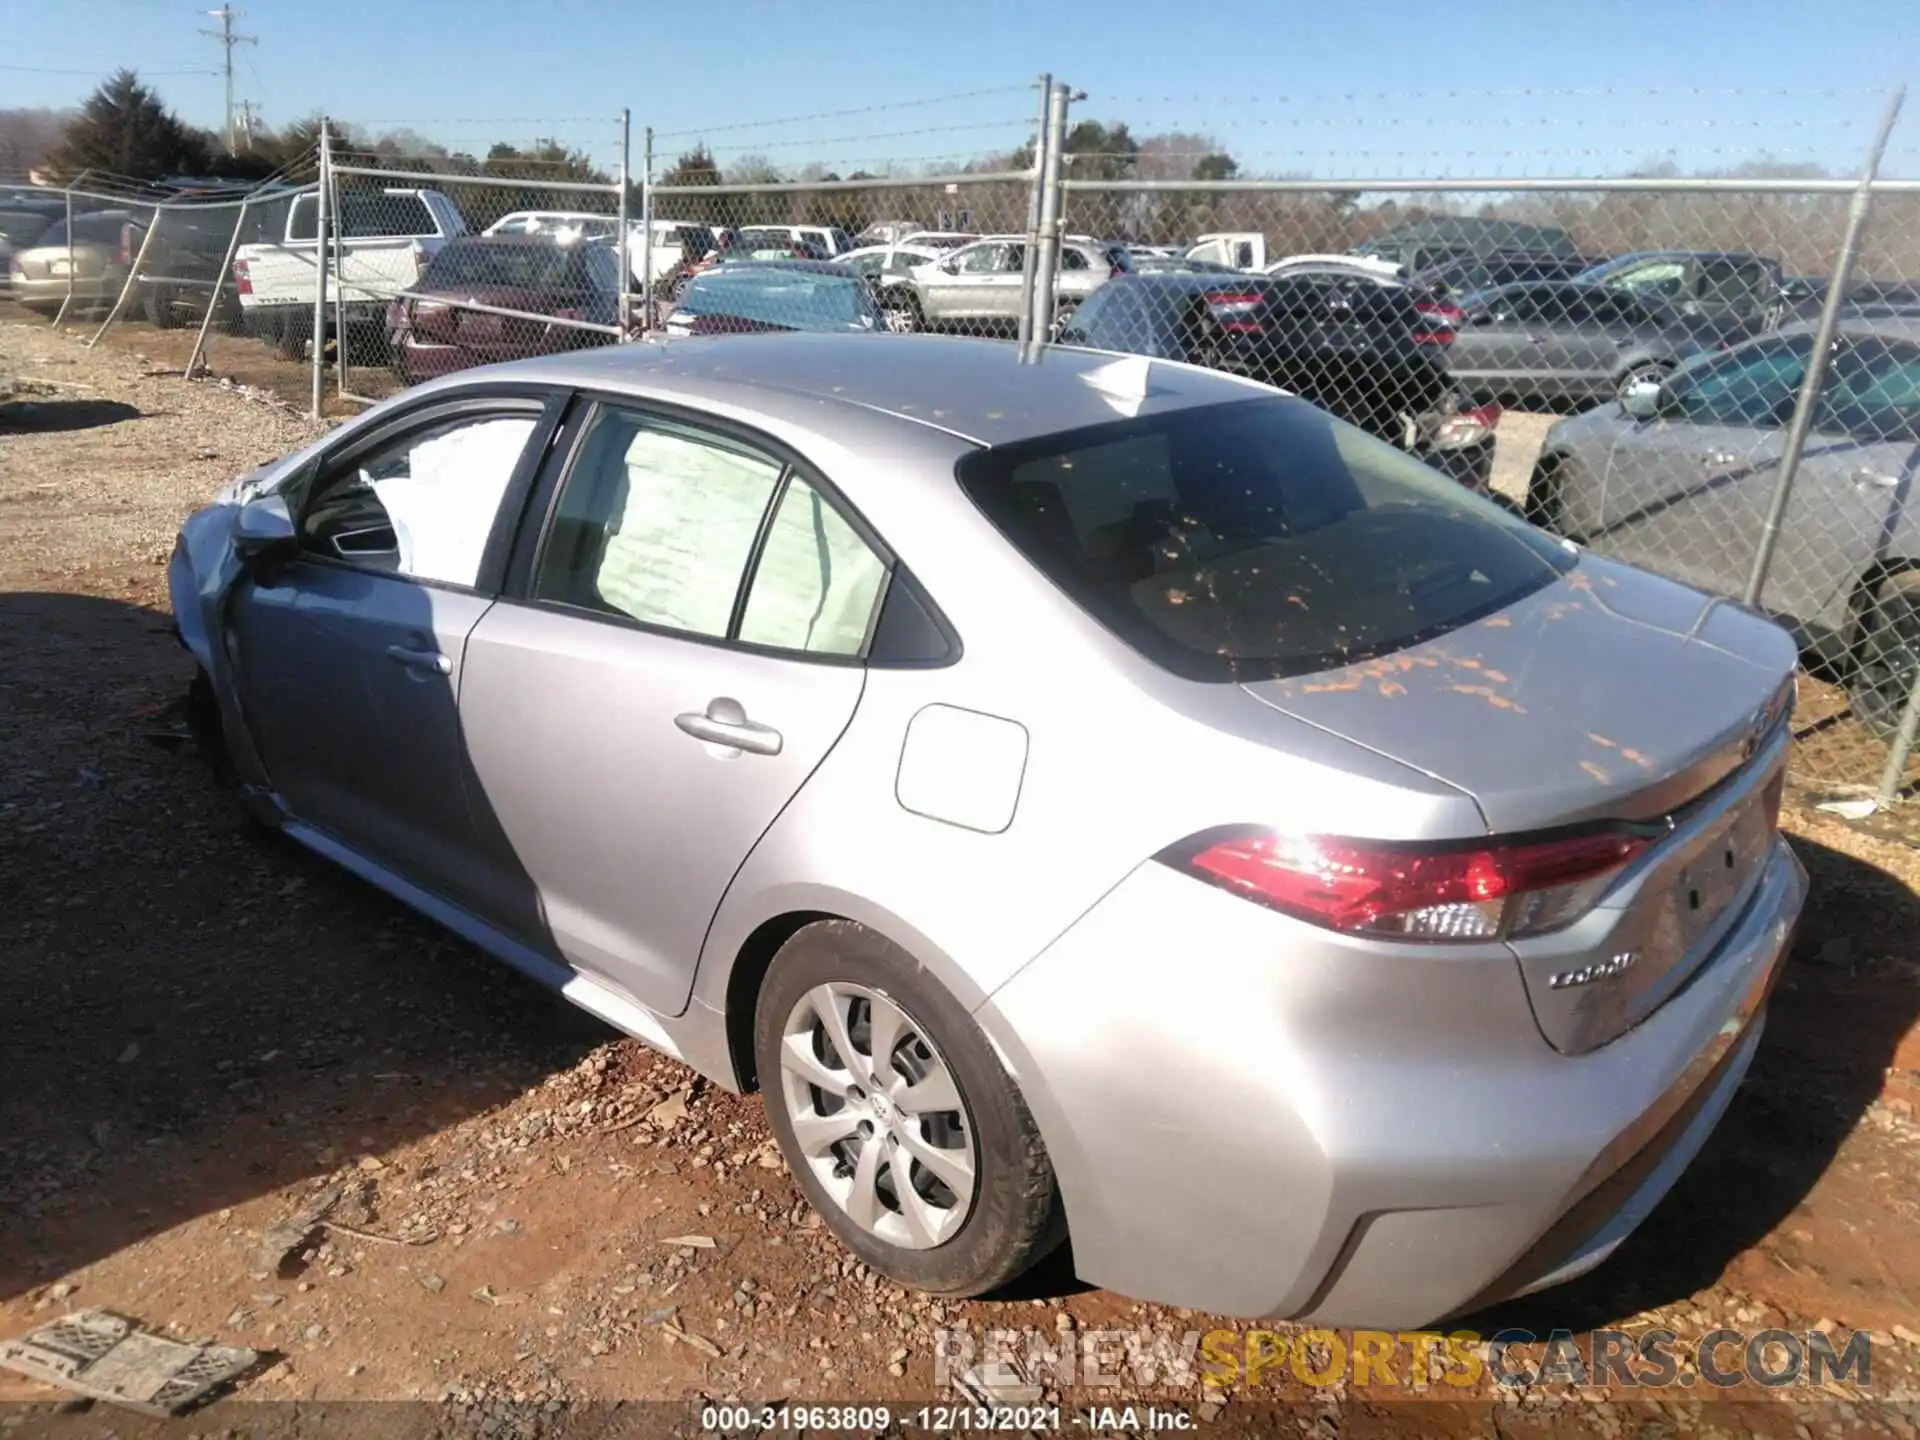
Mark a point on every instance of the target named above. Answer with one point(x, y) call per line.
point(979, 286)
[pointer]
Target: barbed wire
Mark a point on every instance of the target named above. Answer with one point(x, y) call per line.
point(1540, 92)
point(841, 114)
point(746, 147)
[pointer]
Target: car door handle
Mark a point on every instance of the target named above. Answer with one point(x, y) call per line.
point(430, 660)
point(725, 722)
point(1535, 339)
point(1873, 479)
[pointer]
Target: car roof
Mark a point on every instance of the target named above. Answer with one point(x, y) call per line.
point(815, 267)
point(979, 390)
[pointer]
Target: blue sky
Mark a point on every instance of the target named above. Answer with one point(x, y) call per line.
point(1380, 87)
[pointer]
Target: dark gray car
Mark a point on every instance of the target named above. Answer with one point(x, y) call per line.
point(1717, 284)
point(1678, 478)
point(1566, 343)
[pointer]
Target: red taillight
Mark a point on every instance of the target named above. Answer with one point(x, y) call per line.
point(124, 255)
point(1415, 892)
point(1232, 310)
point(1467, 426)
point(242, 278)
point(1438, 322)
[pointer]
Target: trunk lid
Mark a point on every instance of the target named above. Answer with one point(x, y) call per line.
point(1611, 693)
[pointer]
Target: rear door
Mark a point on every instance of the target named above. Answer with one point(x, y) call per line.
point(1501, 346)
point(678, 651)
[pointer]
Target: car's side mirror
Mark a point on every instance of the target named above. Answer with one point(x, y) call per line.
point(1642, 400)
point(264, 525)
point(951, 267)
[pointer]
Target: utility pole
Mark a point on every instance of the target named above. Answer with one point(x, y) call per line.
point(249, 119)
point(226, 15)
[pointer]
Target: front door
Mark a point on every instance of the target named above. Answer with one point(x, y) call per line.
point(671, 672)
point(350, 655)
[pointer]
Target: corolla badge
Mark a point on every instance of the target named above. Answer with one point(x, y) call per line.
point(1600, 970)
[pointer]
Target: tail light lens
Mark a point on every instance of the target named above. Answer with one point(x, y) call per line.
point(242, 277)
point(1468, 427)
point(1233, 310)
point(124, 255)
point(1437, 324)
point(1415, 892)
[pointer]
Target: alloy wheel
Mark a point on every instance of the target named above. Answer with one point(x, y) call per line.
point(878, 1116)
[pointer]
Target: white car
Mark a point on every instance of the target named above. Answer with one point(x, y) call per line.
point(1382, 270)
point(942, 240)
point(888, 269)
point(831, 239)
point(563, 225)
point(981, 286)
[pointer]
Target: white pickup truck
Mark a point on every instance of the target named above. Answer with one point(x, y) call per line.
point(386, 238)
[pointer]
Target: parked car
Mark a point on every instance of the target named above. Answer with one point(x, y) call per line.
point(981, 286)
point(386, 239)
point(1802, 297)
point(92, 262)
point(1423, 244)
point(1567, 343)
point(828, 240)
point(20, 228)
point(1244, 250)
point(1468, 274)
point(1363, 353)
point(1380, 270)
point(940, 239)
point(1715, 284)
point(558, 224)
point(888, 271)
point(740, 691)
point(885, 232)
point(1179, 265)
point(181, 274)
point(453, 319)
point(775, 295)
point(1679, 478)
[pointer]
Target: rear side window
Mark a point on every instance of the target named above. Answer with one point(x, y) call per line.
point(1256, 539)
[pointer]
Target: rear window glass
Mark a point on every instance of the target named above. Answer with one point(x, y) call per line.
point(23, 228)
point(373, 216)
point(533, 266)
point(1256, 539)
point(795, 299)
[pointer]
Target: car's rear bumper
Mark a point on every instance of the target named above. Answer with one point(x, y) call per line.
point(1471, 465)
point(50, 293)
point(1250, 1116)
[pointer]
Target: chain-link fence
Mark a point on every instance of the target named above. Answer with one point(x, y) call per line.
point(1707, 365)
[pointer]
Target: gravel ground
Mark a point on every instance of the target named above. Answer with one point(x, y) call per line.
point(204, 1030)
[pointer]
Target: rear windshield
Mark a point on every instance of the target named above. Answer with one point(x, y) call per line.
point(22, 227)
point(796, 299)
point(1256, 539)
point(527, 266)
point(101, 229)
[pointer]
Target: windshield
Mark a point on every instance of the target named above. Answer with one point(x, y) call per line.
point(531, 267)
point(793, 299)
point(1256, 539)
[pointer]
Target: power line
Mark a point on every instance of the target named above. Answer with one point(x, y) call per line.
point(95, 70)
point(226, 15)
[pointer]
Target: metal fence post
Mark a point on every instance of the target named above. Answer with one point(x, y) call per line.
point(335, 244)
point(133, 273)
point(320, 264)
point(220, 283)
point(623, 247)
point(1047, 262)
point(646, 231)
point(1033, 211)
point(1858, 209)
point(66, 302)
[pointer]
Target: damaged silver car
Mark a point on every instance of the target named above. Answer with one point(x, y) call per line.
point(1094, 794)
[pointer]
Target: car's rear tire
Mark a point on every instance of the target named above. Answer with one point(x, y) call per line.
point(1542, 504)
point(1885, 652)
point(986, 1208)
point(158, 305)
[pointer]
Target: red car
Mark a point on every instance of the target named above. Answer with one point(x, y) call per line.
point(457, 317)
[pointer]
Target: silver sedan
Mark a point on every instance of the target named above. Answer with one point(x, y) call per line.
point(1078, 792)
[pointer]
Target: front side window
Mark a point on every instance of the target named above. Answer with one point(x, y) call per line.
point(1664, 278)
point(422, 506)
point(1754, 386)
point(1256, 538)
point(979, 259)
